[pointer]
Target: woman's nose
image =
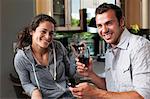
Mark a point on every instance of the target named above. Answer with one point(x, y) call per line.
point(47, 35)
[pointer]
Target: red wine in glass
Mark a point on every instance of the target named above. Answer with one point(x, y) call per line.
point(83, 57)
point(84, 60)
point(82, 53)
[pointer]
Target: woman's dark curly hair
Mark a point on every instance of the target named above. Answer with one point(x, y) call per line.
point(24, 37)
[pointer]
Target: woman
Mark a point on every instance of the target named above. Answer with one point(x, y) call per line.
point(41, 62)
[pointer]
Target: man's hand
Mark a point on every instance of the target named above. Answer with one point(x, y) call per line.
point(87, 91)
point(82, 69)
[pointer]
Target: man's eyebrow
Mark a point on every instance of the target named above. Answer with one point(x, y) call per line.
point(110, 21)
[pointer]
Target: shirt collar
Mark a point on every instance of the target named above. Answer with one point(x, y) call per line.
point(124, 39)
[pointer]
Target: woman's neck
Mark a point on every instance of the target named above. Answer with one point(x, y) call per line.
point(39, 50)
point(40, 55)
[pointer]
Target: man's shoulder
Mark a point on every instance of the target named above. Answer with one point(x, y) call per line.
point(137, 42)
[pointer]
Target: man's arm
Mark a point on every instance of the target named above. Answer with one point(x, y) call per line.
point(88, 72)
point(120, 95)
point(88, 91)
point(97, 80)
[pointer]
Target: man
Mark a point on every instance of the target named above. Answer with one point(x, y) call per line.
point(127, 64)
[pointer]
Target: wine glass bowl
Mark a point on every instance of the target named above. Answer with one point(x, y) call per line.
point(83, 54)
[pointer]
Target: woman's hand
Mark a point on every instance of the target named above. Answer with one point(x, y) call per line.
point(36, 94)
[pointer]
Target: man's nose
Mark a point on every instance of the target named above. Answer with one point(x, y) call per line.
point(105, 29)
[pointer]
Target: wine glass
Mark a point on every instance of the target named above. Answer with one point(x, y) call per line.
point(81, 51)
point(83, 54)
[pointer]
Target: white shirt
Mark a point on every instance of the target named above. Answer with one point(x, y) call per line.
point(127, 67)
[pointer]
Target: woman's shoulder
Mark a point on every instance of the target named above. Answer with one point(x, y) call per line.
point(19, 57)
point(58, 44)
point(20, 53)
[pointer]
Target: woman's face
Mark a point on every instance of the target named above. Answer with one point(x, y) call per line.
point(109, 28)
point(43, 35)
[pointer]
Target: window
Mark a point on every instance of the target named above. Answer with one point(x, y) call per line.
point(65, 12)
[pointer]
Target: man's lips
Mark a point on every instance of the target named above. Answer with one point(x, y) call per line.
point(107, 36)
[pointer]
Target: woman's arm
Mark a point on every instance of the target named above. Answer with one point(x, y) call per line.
point(20, 64)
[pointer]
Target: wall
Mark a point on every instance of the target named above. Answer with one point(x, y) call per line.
point(44, 6)
point(149, 14)
point(14, 15)
point(133, 14)
point(0, 46)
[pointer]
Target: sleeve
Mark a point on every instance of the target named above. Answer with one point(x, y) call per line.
point(20, 64)
point(141, 70)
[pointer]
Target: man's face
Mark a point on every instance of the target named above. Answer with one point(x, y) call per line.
point(109, 28)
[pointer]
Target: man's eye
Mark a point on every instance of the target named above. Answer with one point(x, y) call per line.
point(99, 26)
point(110, 23)
point(43, 32)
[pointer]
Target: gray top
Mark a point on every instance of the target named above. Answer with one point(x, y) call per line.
point(24, 63)
point(128, 65)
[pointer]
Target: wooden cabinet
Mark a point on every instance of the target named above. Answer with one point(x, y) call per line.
point(133, 15)
point(63, 12)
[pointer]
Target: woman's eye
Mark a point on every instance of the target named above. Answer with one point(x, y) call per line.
point(52, 33)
